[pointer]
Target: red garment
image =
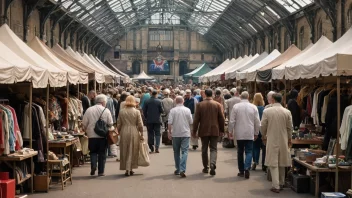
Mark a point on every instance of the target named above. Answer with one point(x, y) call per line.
point(309, 105)
point(16, 128)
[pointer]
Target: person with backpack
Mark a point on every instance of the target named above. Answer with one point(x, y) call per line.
point(95, 122)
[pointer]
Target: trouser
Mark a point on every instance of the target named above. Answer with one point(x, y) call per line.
point(277, 176)
point(263, 154)
point(98, 148)
point(193, 141)
point(212, 143)
point(166, 126)
point(244, 146)
point(180, 144)
point(153, 135)
point(257, 144)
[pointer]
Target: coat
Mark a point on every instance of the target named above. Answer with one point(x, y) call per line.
point(167, 104)
point(129, 125)
point(277, 129)
point(152, 111)
point(210, 119)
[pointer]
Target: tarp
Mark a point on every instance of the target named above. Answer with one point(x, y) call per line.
point(236, 75)
point(216, 76)
point(204, 78)
point(95, 60)
point(57, 77)
point(239, 65)
point(279, 72)
point(127, 79)
point(264, 73)
point(251, 73)
point(73, 75)
point(109, 77)
point(98, 75)
point(195, 74)
point(14, 69)
point(316, 65)
point(143, 76)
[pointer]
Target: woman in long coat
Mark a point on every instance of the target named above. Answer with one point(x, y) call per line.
point(130, 126)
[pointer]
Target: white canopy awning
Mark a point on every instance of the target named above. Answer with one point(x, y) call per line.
point(143, 76)
point(216, 75)
point(109, 77)
point(236, 75)
point(14, 69)
point(205, 77)
point(73, 76)
point(57, 77)
point(239, 65)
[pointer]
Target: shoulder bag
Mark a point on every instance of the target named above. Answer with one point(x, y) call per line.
point(101, 128)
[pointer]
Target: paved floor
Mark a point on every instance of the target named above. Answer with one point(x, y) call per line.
point(158, 181)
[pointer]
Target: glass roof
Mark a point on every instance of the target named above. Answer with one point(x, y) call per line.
point(238, 19)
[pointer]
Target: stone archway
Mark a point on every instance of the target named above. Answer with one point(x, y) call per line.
point(183, 68)
point(136, 67)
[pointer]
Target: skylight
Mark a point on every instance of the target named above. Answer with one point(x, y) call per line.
point(294, 5)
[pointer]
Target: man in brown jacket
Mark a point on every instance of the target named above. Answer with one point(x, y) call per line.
point(209, 121)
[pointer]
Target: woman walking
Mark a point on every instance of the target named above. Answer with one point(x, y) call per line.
point(257, 144)
point(130, 126)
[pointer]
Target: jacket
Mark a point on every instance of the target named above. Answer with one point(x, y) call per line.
point(277, 129)
point(209, 118)
point(229, 105)
point(152, 111)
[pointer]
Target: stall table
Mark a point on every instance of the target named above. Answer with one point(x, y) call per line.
point(302, 143)
point(11, 161)
point(320, 170)
point(66, 146)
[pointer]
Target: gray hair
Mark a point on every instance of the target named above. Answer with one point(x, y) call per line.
point(270, 94)
point(179, 100)
point(233, 91)
point(245, 95)
point(101, 98)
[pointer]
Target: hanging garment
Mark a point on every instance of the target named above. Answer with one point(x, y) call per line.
point(346, 126)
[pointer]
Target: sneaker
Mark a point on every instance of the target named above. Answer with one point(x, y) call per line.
point(212, 170)
point(254, 166)
point(240, 174)
point(194, 147)
point(205, 170)
point(157, 151)
point(183, 174)
point(264, 168)
point(177, 172)
point(101, 174)
point(92, 171)
point(246, 174)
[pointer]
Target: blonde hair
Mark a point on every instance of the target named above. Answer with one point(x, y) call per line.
point(258, 99)
point(130, 101)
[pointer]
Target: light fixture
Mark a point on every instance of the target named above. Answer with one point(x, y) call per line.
point(262, 13)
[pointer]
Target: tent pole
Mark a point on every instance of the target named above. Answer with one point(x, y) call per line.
point(30, 130)
point(47, 128)
point(255, 86)
point(95, 86)
point(338, 133)
point(78, 90)
point(285, 87)
point(87, 88)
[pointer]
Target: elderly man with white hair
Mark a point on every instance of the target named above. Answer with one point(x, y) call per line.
point(97, 144)
point(245, 123)
point(179, 121)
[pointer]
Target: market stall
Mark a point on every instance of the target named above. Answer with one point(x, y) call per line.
point(194, 75)
point(126, 78)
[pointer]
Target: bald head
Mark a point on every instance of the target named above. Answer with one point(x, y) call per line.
point(179, 100)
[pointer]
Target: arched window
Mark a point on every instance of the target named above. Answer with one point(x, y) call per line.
point(136, 67)
point(287, 40)
point(319, 29)
point(117, 52)
point(301, 38)
point(349, 16)
point(183, 69)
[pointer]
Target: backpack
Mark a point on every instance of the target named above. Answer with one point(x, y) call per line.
point(101, 128)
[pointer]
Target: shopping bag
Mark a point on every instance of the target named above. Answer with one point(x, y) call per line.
point(143, 158)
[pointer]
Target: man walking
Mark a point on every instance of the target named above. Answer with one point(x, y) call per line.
point(276, 128)
point(97, 145)
point(245, 123)
point(179, 121)
point(191, 103)
point(209, 118)
point(152, 111)
point(229, 105)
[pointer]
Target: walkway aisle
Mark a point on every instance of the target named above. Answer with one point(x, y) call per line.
point(158, 181)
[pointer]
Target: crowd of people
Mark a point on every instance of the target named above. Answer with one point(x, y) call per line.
point(187, 114)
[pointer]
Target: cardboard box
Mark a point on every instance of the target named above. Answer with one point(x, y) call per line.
point(41, 183)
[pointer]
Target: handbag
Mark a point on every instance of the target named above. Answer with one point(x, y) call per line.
point(113, 137)
point(101, 128)
point(143, 158)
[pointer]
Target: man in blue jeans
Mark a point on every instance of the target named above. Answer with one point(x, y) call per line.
point(245, 123)
point(179, 121)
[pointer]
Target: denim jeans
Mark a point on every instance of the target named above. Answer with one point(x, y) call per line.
point(244, 146)
point(263, 154)
point(256, 150)
point(180, 144)
point(154, 135)
point(98, 149)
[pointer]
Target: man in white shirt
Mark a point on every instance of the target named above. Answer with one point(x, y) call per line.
point(179, 121)
point(97, 145)
point(245, 123)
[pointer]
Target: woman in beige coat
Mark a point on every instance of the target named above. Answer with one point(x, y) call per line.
point(276, 127)
point(130, 126)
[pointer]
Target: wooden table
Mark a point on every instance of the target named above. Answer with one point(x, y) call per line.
point(302, 143)
point(66, 146)
point(11, 161)
point(320, 170)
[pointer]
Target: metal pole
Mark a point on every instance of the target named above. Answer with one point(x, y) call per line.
point(30, 114)
point(47, 128)
point(87, 88)
point(338, 134)
point(95, 86)
point(285, 93)
point(78, 91)
point(255, 86)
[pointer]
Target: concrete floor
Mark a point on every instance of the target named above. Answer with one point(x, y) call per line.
point(158, 181)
